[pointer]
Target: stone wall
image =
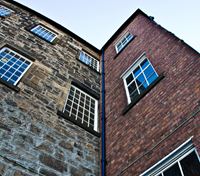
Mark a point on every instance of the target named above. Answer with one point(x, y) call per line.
point(34, 139)
point(166, 116)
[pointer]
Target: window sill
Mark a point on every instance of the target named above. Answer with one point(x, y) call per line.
point(78, 123)
point(124, 47)
point(15, 88)
point(137, 99)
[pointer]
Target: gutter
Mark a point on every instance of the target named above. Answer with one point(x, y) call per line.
point(103, 147)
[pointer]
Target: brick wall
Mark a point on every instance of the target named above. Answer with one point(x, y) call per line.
point(166, 116)
point(34, 140)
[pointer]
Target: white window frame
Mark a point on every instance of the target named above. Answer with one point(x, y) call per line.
point(127, 40)
point(130, 70)
point(7, 9)
point(174, 157)
point(21, 56)
point(88, 56)
point(43, 37)
point(95, 110)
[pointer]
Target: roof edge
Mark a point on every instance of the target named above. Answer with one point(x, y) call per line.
point(57, 25)
point(124, 25)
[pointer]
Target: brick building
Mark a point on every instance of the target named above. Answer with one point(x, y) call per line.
point(152, 93)
point(50, 91)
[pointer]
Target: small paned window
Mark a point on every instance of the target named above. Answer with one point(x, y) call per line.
point(89, 60)
point(82, 107)
point(184, 161)
point(12, 65)
point(139, 78)
point(123, 42)
point(44, 33)
point(4, 11)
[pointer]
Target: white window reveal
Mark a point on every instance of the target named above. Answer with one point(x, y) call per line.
point(89, 60)
point(12, 65)
point(44, 33)
point(184, 161)
point(4, 11)
point(138, 78)
point(124, 40)
point(82, 107)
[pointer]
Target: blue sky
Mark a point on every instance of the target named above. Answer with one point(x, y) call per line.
point(97, 20)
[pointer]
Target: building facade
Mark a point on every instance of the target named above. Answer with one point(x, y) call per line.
point(49, 95)
point(50, 105)
point(152, 91)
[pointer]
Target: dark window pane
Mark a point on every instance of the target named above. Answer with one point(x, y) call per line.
point(129, 78)
point(190, 165)
point(144, 63)
point(8, 74)
point(132, 87)
point(137, 71)
point(14, 78)
point(173, 171)
point(140, 79)
point(143, 86)
point(134, 95)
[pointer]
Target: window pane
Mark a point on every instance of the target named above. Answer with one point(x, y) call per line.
point(44, 33)
point(134, 94)
point(129, 79)
point(132, 87)
point(173, 171)
point(137, 71)
point(144, 63)
point(152, 78)
point(140, 79)
point(89, 60)
point(190, 165)
point(80, 103)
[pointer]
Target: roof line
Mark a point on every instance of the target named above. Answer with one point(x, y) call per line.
point(124, 25)
point(57, 25)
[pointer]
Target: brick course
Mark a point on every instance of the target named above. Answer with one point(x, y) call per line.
point(131, 137)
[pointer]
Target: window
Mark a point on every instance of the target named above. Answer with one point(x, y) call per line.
point(12, 65)
point(184, 161)
point(82, 107)
point(89, 60)
point(44, 33)
point(4, 11)
point(138, 78)
point(123, 42)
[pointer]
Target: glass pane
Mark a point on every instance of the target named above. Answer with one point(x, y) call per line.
point(137, 71)
point(140, 79)
point(131, 87)
point(173, 171)
point(148, 71)
point(134, 95)
point(129, 79)
point(144, 63)
point(190, 165)
point(152, 78)
point(143, 86)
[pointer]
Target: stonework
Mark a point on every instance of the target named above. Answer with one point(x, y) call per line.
point(34, 139)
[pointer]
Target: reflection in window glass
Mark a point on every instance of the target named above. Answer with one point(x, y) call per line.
point(140, 78)
point(81, 107)
point(12, 66)
point(44, 33)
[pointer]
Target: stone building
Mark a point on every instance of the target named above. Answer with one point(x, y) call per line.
point(49, 92)
point(50, 99)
